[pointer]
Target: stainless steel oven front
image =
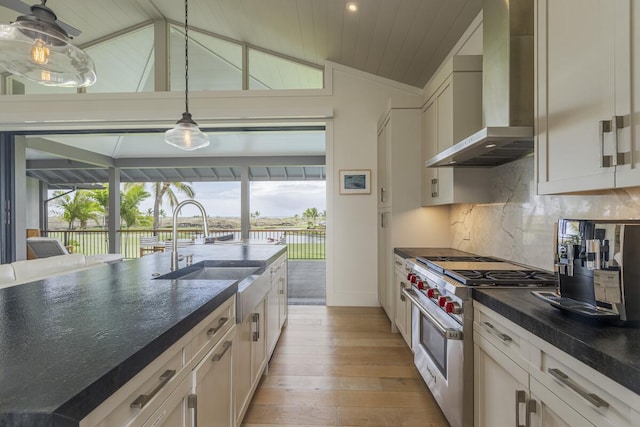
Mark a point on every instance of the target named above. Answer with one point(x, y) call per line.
point(443, 358)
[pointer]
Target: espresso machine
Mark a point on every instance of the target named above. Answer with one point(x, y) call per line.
point(598, 266)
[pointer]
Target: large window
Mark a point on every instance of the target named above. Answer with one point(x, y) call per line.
point(272, 72)
point(214, 64)
point(126, 63)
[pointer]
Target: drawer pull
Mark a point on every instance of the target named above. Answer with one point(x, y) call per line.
point(592, 398)
point(256, 320)
point(520, 399)
point(226, 346)
point(494, 331)
point(221, 323)
point(192, 403)
point(143, 399)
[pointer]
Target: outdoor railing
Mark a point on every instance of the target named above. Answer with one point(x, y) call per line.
point(301, 244)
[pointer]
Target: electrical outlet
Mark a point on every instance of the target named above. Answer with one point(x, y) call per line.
point(466, 236)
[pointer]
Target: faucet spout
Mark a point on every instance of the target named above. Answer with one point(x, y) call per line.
point(174, 242)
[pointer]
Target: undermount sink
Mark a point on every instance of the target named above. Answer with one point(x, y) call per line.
point(253, 283)
point(217, 273)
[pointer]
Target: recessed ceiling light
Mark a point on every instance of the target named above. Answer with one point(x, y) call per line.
point(452, 162)
point(352, 7)
point(490, 145)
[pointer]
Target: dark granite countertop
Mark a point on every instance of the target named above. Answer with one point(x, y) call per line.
point(68, 342)
point(611, 350)
point(416, 252)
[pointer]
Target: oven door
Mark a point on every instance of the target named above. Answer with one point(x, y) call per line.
point(438, 348)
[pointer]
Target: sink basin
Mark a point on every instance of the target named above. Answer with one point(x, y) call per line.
point(218, 273)
point(253, 282)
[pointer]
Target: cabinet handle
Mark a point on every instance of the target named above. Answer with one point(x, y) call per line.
point(256, 320)
point(592, 398)
point(520, 398)
point(213, 330)
point(605, 127)
point(382, 220)
point(192, 403)
point(617, 123)
point(504, 337)
point(434, 187)
point(226, 346)
point(382, 193)
point(531, 409)
point(143, 399)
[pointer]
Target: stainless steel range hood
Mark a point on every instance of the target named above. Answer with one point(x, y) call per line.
point(507, 90)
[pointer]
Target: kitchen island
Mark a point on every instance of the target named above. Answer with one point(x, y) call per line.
point(69, 342)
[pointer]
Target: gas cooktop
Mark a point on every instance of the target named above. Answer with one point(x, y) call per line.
point(487, 271)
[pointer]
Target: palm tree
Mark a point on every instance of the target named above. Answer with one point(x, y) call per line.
point(255, 215)
point(312, 214)
point(130, 200)
point(161, 190)
point(81, 207)
point(101, 197)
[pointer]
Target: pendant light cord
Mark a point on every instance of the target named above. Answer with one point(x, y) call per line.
point(186, 56)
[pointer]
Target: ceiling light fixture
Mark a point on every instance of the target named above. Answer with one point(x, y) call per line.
point(186, 134)
point(352, 7)
point(38, 48)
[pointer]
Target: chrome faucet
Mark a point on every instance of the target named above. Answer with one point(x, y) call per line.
point(174, 242)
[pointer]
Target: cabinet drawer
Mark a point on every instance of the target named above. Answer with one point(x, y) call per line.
point(208, 332)
point(135, 401)
point(590, 393)
point(503, 334)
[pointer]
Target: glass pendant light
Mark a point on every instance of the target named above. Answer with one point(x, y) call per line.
point(186, 134)
point(37, 48)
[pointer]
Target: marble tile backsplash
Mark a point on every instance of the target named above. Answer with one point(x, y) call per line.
point(518, 225)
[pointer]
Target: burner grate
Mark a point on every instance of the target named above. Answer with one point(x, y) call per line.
point(502, 277)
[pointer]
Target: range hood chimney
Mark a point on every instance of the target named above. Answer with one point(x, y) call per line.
point(507, 90)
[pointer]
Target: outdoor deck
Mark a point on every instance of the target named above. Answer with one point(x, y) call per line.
point(307, 282)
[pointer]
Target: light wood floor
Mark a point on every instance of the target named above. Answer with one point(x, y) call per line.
point(341, 366)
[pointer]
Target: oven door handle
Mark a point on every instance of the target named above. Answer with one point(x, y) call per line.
point(450, 333)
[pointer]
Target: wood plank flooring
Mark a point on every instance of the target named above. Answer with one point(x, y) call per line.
point(341, 366)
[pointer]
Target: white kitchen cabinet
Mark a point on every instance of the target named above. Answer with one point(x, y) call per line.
point(203, 399)
point(249, 358)
point(586, 132)
point(178, 410)
point(384, 168)
point(212, 387)
point(385, 285)
point(403, 305)
point(453, 111)
point(399, 193)
point(518, 374)
point(276, 304)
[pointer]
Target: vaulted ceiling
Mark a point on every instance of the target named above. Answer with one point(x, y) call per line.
point(403, 40)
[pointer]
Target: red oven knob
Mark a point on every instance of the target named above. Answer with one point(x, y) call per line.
point(410, 275)
point(414, 279)
point(452, 307)
point(443, 300)
point(421, 284)
point(433, 293)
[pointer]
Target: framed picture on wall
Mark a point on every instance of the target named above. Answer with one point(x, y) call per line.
point(355, 181)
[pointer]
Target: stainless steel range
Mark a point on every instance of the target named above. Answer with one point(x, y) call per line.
point(442, 321)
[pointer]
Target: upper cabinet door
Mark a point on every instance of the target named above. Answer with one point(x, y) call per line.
point(384, 168)
point(452, 112)
point(583, 93)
